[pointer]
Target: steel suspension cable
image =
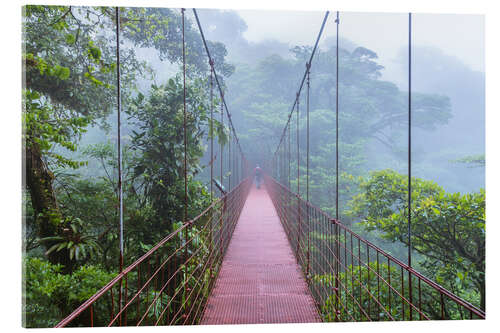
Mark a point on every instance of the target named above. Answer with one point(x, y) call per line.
point(119, 107)
point(229, 161)
point(185, 145)
point(337, 249)
point(409, 139)
point(298, 174)
point(120, 185)
point(304, 76)
point(308, 67)
point(224, 107)
point(219, 86)
point(409, 163)
point(184, 113)
point(337, 124)
point(211, 130)
point(289, 156)
point(221, 147)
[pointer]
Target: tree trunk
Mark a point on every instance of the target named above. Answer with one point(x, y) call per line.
point(482, 290)
point(48, 217)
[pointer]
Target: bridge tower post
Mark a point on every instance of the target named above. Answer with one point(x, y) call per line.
point(298, 181)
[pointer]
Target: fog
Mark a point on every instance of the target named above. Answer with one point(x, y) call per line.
point(448, 60)
point(448, 96)
point(260, 58)
point(384, 33)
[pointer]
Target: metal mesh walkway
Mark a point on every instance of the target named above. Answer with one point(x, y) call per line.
point(260, 281)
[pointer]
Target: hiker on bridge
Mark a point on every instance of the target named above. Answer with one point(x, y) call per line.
point(258, 176)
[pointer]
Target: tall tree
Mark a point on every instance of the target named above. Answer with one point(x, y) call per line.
point(69, 70)
point(448, 229)
point(70, 74)
point(159, 142)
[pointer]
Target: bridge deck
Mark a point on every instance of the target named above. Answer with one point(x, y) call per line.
point(259, 281)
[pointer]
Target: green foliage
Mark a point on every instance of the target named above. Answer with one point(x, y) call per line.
point(159, 28)
point(49, 294)
point(70, 69)
point(68, 61)
point(57, 71)
point(91, 195)
point(160, 141)
point(358, 291)
point(364, 297)
point(48, 128)
point(448, 229)
point(473, 161)
point(80, 246)
point(371, 112)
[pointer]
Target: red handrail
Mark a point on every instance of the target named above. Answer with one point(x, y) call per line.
point(337, 258)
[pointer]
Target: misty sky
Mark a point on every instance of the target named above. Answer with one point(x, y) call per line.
point(385, 33)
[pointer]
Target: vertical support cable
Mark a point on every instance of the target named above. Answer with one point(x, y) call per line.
point(280, 163)
point(283, 163)
point(221, 143)
point(289, 169)
point(298, 177)
point(308, 66)
point(273, 167)
point(409, 163)
point(233, 174)
point(409, 139)
point(210, 241)
point(337, 266)
point(211, 128)
point(223, 204)
point(120, 184)
point(289, 156)
point(221, 147)
point(235, 163)
point(229, 161)
point(119, 108)
point(235, 166)
point(337, 124)
point(185, 115)
point(185, 158)
point(283, 151)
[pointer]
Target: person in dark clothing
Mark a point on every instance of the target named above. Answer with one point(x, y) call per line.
point(258, 176)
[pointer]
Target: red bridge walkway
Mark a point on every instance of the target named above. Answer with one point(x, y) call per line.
point(260, 281)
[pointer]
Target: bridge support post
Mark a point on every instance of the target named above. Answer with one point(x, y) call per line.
point(222, 228)
point(336, 266)
point(308, 256)
point(298, 180)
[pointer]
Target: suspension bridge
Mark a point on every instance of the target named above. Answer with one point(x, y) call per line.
point(266, 255)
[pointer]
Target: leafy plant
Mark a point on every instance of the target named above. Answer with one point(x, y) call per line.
point(49, 295)
point(448, 229)
point(80, 245)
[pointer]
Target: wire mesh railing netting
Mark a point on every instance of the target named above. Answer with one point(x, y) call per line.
point(169, 285)
point(350, 278)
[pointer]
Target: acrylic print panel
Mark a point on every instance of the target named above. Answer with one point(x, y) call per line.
point(195, 167)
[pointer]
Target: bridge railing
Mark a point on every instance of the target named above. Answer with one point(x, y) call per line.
point(168, 285)
point(350, 278)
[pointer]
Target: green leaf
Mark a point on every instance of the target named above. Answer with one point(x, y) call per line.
point(70, 39)
point(51, 249)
